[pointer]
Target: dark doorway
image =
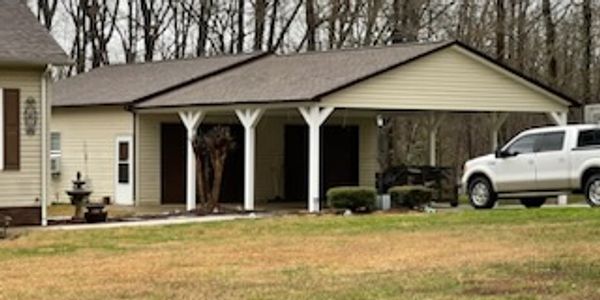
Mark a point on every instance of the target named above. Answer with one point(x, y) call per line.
point(339, 159)
point(173, 164)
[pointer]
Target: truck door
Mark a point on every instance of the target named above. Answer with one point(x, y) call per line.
point(551, 160)
point(517, 172)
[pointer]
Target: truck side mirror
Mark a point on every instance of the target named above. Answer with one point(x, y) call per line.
point(504, 154)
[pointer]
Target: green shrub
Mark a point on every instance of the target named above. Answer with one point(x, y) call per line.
point(410, 196)
point(354, 198)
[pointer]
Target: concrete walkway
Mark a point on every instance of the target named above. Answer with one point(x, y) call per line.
point(157, 222)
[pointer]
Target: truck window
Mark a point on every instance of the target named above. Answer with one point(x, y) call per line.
point(552, 141)
point(523, 145)
point(588, 138)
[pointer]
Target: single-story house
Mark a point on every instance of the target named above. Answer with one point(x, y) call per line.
point(26, 52)
point(302, 122)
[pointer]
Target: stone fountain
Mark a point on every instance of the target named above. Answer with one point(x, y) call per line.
point(79, 196)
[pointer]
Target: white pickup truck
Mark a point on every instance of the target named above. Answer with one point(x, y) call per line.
point(537, 164)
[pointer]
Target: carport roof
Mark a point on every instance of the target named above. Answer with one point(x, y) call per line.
point(305, 77)
point(128, 83)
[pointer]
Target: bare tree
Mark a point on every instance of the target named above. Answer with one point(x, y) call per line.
point(46, 12)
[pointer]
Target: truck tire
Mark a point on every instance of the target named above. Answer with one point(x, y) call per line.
point(533, 202)
point(592, 190)
point(481, 193)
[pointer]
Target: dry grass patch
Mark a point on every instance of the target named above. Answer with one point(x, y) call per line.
point(445, 256)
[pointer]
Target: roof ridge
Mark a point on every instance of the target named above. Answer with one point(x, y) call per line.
point(176, 60)
point(374, 47)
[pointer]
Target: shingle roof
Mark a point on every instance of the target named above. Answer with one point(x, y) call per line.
point(23, 40)
point(123, 84)
point(299, 77)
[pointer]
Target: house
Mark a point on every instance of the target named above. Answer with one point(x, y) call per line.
point(302, 123)
point(26, 52)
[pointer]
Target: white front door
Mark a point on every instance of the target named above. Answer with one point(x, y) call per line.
point(123, 171)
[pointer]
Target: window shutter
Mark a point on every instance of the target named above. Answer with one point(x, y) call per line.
point(12, 140)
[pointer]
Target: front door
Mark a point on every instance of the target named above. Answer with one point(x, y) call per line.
point(124, 171)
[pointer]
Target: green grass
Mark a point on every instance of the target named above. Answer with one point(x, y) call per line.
point(499, 254)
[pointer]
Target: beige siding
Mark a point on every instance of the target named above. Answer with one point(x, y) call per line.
point(269, 152)
point(23, 187)
point(448, 80)
point(88, 132)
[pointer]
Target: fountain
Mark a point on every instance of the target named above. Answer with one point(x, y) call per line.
point(79, 196)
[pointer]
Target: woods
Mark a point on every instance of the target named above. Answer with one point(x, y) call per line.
point(553, 41)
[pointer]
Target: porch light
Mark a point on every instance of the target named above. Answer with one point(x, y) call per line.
point(380, 121)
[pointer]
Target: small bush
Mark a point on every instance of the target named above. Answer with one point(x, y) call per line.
point(410, 196)
point(354, 198)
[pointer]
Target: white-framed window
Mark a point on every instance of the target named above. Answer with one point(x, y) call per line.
point(55, 147)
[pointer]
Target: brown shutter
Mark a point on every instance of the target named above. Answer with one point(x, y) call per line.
point(12, 140)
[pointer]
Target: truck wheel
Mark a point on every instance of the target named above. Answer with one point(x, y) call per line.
point(481, 193)
point(533, 202)
point(592, 190)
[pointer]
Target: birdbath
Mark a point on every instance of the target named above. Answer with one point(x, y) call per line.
point(79, 196)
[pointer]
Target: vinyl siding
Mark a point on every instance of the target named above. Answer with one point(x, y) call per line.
point(88, 132)
point(23, 187)
point(451, 79)
point(269, 174)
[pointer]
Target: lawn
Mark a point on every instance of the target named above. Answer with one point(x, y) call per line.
point(500, 254)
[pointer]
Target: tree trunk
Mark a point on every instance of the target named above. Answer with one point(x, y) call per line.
point(311, 26)
point(240, 26)
point(550, 41)
point(259, 24)
point(587, 55)
point(500, 30)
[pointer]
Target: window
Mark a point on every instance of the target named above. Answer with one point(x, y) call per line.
point(552, 141)
point(588, 138)
point(10, 124)
point(123, 169)
point(55, 144)
point(523, 145)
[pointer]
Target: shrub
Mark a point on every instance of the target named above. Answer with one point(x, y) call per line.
point(354, 198)
point(410, 196)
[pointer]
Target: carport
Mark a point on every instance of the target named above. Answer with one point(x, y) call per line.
point(434, 79)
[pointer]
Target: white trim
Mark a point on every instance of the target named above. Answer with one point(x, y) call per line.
point(128, 191)
point(1, 129)
point(45, 107)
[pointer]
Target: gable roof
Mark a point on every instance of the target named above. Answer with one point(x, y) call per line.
point(307, 76)
point(23, 40)
point(295, 77)
point(128, 83)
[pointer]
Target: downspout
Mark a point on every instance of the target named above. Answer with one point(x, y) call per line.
point(45, 107)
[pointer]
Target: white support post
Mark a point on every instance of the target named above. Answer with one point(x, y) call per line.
point(497, 120)
point(249, 118)
point(191, 120)
point(314, 116)
point(433, 123)
point(559, 117)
